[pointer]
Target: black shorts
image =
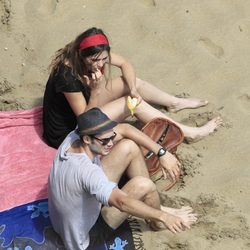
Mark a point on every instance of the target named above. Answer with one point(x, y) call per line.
point(102, 236)
point(99, 234)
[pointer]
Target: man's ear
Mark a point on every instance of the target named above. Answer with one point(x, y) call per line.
point(86, 139)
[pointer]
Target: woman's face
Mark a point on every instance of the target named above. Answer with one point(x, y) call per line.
point(96, 62)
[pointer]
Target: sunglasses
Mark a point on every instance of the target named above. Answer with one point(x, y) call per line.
point(105, 141)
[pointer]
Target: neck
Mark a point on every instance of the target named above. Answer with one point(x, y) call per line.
point(79, 147)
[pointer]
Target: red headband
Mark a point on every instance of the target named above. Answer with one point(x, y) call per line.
point(93, 41)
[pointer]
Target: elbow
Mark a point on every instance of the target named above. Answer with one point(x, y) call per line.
point(119, 200)
point(126, 64)
point(121, 204)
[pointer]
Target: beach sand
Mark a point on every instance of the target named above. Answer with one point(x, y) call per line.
point(187, 48)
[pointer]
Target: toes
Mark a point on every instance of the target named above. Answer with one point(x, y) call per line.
point(218, 121)
point(186, 208)
point(203, 102)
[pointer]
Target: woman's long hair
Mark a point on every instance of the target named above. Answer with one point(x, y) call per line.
point(74, 56)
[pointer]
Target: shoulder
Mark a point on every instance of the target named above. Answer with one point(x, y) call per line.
point(66, 81)
point(117, 60)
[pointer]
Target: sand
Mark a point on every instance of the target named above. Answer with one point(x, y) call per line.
point(187, 48)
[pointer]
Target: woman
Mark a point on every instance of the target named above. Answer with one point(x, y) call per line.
point(80, 79)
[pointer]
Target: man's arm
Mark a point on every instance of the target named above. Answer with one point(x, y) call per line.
point(124, 203)
point(168, 162)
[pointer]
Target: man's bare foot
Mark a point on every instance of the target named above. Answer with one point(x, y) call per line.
point(186, 103)
point(185, 213)
point(177, 211)
point(195, 134)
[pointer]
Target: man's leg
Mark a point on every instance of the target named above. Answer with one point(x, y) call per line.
point(139, 188)
point(125, 157)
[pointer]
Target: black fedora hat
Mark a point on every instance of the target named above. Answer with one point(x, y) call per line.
point(93, 122)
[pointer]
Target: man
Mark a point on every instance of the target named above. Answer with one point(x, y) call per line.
point(84, 176)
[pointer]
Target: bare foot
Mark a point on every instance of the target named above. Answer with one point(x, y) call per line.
point(186, 103)
point(195, 134)
point(185, 213)
point(176, 211)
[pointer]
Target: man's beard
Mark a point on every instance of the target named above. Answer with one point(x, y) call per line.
point(95, 149)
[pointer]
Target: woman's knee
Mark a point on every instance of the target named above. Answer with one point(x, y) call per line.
point(139, 83)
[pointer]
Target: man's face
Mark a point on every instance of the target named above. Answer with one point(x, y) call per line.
point(102, 143)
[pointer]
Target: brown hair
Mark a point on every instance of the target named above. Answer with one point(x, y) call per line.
point(74, 56)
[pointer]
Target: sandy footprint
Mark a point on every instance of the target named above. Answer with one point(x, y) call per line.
point(199, 118)
point(218, 221)
point(211, 47)
point(189, 166)
point(5, 86)
point(7, 104)
point(245, 101)
point(5, 11)
point(244, 26)
point(40, 8)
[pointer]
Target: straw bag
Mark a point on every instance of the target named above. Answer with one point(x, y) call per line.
point(167, 134)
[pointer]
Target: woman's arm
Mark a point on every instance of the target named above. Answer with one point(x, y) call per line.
point(127, 72)
point(78, 102)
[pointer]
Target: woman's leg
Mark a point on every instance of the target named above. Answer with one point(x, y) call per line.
point(117, 110)
point(154, 95)
point(118, 88)
point(113, 90)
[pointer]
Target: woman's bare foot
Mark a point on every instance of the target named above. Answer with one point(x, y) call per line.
point(186, 103)
point(195, 134)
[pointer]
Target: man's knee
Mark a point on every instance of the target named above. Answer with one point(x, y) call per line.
point(128, 146)
point(143, 184)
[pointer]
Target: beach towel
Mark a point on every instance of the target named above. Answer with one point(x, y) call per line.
point(25, 162)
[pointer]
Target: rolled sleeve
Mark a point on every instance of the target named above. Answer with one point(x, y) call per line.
point(99, 185)
point(104, 196)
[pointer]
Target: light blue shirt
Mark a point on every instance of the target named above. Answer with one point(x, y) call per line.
point(77, 188)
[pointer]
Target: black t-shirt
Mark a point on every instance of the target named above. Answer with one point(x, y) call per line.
point(58, 117)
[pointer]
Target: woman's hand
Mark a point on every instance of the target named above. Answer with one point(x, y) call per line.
point(134, 94)
point(170, 165)
point(95, 80)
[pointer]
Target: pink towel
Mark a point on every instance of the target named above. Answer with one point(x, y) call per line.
point(25, 160)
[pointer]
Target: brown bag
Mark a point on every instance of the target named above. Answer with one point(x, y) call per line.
point(167, 134)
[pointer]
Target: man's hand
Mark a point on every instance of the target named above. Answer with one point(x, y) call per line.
point(175, 224)
point(171, 222)
point(170, 165)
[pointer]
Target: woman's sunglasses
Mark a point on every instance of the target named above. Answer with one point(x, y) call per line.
point(105, 141)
